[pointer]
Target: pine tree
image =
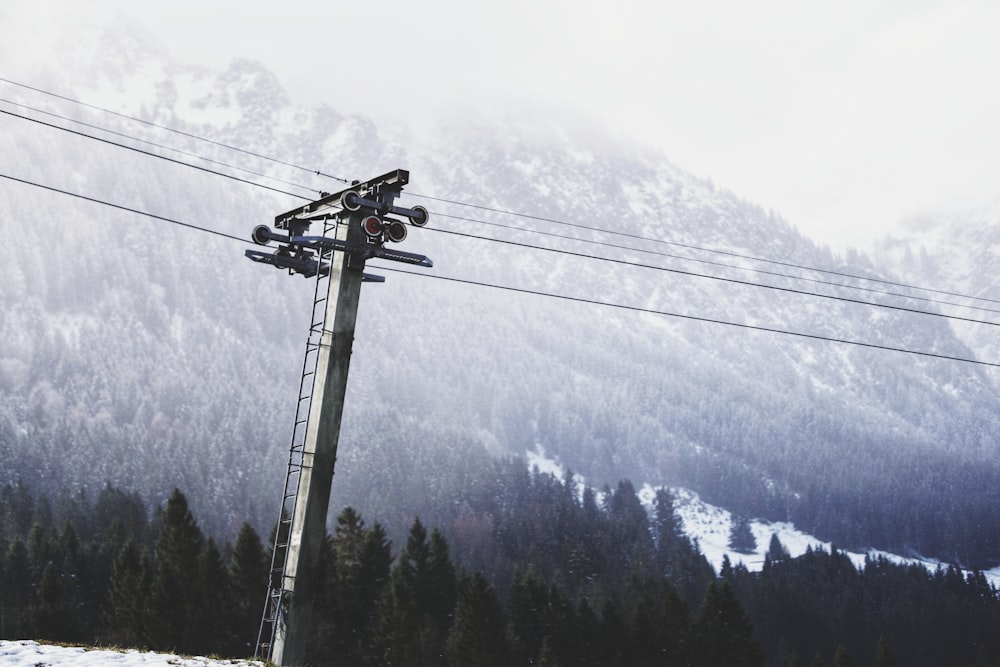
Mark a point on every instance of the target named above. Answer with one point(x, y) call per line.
point(127, 614)
point(211, 625)
point(373, 578)
point(528, 601)
point(440, 593)
point(53, 617)
point(16, 597)
point(361, 564)
point(722, 632)
point(741, 538)
point(776, 551)
point(613, 636)
point(248, 571)
point(644, 633)
point(475, 639)
point(667, 528)
point(676, 630)
point(402, 607)
point(175, 599)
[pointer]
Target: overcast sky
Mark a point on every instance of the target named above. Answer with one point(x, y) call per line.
point(845, 117)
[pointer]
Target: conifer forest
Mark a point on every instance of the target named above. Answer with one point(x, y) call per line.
point(530, 570)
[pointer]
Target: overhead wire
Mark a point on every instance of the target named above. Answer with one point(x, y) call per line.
point(151, 154)
point(696, 318)
point(484, 222)
point(700, 248)
point(538, 217)
point(708, 262)
point(530, 291)
point(167, 128)
point(735, 281)
point(490, 223)
point(154, 144)
point(120, 207)
point(524, 245)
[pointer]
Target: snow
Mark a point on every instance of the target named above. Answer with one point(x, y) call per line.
point(33, 654)
point(710, 526)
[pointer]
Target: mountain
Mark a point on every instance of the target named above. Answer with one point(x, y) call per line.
point(151, 355)
point(958, 252)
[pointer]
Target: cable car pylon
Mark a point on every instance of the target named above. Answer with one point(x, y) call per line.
point(356, 224)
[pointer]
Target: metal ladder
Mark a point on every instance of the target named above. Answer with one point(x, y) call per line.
point(276, 601)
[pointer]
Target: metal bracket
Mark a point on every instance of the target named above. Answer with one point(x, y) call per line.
point(394, 180)
point(368, 251)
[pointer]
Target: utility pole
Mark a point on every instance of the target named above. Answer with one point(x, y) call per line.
point(356, 225)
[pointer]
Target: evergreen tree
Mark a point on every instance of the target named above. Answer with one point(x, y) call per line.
point(16, 596)
point(373, 578)
point(613, 636)
point(53, 617)
point(741, 538)
point(475, 639)
point(440, 591)
point(676, 625)
point(361, 558)
point(726, 570)
point(248, 571)
point(776, 551)
point(127, 615)
point(667, 531)
point(588, 631)
point(418, 601)
point(528, 601)
point(723, 633)
point(644, 634)
point(114, 507)
point(211, 629)
point(76, 580)
point(175, 599)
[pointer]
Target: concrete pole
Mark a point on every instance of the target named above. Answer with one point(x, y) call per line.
point(308, 527)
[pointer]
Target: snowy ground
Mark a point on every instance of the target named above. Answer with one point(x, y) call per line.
point(33, 654)
point(710, 525)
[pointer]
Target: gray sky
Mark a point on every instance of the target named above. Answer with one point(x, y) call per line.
point(843, 117)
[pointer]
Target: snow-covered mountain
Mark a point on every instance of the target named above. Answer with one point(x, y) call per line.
point(958, 252)
point(150, 355)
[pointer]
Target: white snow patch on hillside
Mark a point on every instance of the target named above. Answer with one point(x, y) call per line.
point(710, 527)
point(32, 654)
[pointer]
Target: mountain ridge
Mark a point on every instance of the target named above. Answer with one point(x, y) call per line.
point(179, 370)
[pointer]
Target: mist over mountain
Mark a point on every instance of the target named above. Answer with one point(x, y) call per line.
point(957, 252)
point(150, 355)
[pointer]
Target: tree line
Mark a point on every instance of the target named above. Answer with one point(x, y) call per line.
point(530, 569)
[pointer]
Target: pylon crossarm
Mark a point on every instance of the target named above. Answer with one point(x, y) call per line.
point(368, 251)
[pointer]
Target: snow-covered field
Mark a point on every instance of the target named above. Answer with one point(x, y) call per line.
point(32, 654)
